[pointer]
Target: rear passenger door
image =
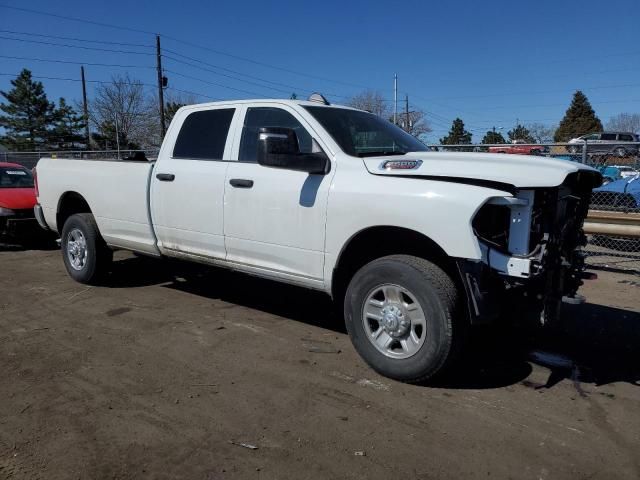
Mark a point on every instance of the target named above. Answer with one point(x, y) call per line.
point(187, 185)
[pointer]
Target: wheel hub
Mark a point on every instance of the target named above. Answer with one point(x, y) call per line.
point(394, 321)
point(77, 249)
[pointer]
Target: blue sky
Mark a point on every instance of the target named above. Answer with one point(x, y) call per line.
point(488, 63)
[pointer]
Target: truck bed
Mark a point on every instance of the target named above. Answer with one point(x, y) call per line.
point(118, 192)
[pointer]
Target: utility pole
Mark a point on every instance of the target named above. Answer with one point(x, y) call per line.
point(395, 99)
point(85, 109)
point(406, 112)
point(160, 87)
point(115, 118)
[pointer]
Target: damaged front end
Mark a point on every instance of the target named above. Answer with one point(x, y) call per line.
point(531, 244)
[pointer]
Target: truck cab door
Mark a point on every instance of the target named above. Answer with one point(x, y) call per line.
point(187, 184)
point(274, 219)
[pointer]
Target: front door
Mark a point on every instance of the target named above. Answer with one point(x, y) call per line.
point(274, 219)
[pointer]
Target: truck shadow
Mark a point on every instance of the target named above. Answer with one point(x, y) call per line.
point(14, 246)
point(596, 344)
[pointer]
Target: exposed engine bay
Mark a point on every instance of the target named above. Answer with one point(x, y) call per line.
point(531, 246)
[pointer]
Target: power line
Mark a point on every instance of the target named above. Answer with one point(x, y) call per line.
point(75, 63)
point(79, 80)
point(214, 83)
point(225, 75)
point(184, 42)
point(539, 92)
point(105, 42)
point(189, 92)
point(130, 52)
point(73, 19)
point(197, 65)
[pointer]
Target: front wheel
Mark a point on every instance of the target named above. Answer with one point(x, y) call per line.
point(404, 317)
point(84, 252)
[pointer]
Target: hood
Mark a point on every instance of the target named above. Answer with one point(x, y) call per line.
point(519, 171)
point(17, 198)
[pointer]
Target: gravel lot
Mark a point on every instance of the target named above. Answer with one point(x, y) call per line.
point(169, 369)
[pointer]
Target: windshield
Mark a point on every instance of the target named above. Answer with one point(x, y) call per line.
point(363, 134)
point(15, 177)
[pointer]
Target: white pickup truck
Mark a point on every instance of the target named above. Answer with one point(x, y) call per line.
point(417, 245)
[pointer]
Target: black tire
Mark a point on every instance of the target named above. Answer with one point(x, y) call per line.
point(440, 301)
point(98, 256)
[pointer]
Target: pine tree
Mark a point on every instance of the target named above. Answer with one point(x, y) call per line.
point(457, 134)
point(579, 119)
point(28, 114)
point(68, 128)
point(520, 132)
point(492, 137)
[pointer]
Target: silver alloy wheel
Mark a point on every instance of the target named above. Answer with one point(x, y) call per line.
point(620, 152)
point(394, 321)
point(76, 249)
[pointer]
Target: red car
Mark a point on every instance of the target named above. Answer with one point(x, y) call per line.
point(17, 199)
point(519, 147)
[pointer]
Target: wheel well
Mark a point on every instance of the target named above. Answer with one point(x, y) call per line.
point(376, 242)
point(70, 203)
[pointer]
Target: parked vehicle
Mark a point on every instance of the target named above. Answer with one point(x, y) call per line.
point(610, 174)
point(17, 199)
point(626, 171)
point(622, 194)
point(416, 245)
point(519, 147)
point(620, 144)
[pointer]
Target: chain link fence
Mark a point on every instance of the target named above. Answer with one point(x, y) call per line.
point(614, 217)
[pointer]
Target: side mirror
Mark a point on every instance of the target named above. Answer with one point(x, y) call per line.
point(278, 148)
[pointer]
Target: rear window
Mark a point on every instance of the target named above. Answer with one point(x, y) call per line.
point(15, 177)
point(204, 134)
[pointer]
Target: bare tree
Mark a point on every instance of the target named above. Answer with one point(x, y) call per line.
point(418, 125)
point(371, 101)
point(541, 133)
point(123, 105)
point(625, 122)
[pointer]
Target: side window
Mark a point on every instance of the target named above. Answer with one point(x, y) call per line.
point(608, 136)
point(203, 135)
point(259, 117)
point(625, 137)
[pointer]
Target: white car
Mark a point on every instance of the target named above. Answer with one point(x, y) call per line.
point(626, 171)
point(416, 245)
point(620, 144)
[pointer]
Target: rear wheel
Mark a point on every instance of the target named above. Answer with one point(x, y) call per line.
point(404, 317)
point(84, 252)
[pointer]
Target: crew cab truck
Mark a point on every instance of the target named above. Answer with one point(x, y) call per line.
point(416, 245)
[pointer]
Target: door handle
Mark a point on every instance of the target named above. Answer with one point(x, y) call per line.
point(166, 177)
point(241, 183)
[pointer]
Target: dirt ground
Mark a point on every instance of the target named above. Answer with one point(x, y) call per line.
point(168, 370)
